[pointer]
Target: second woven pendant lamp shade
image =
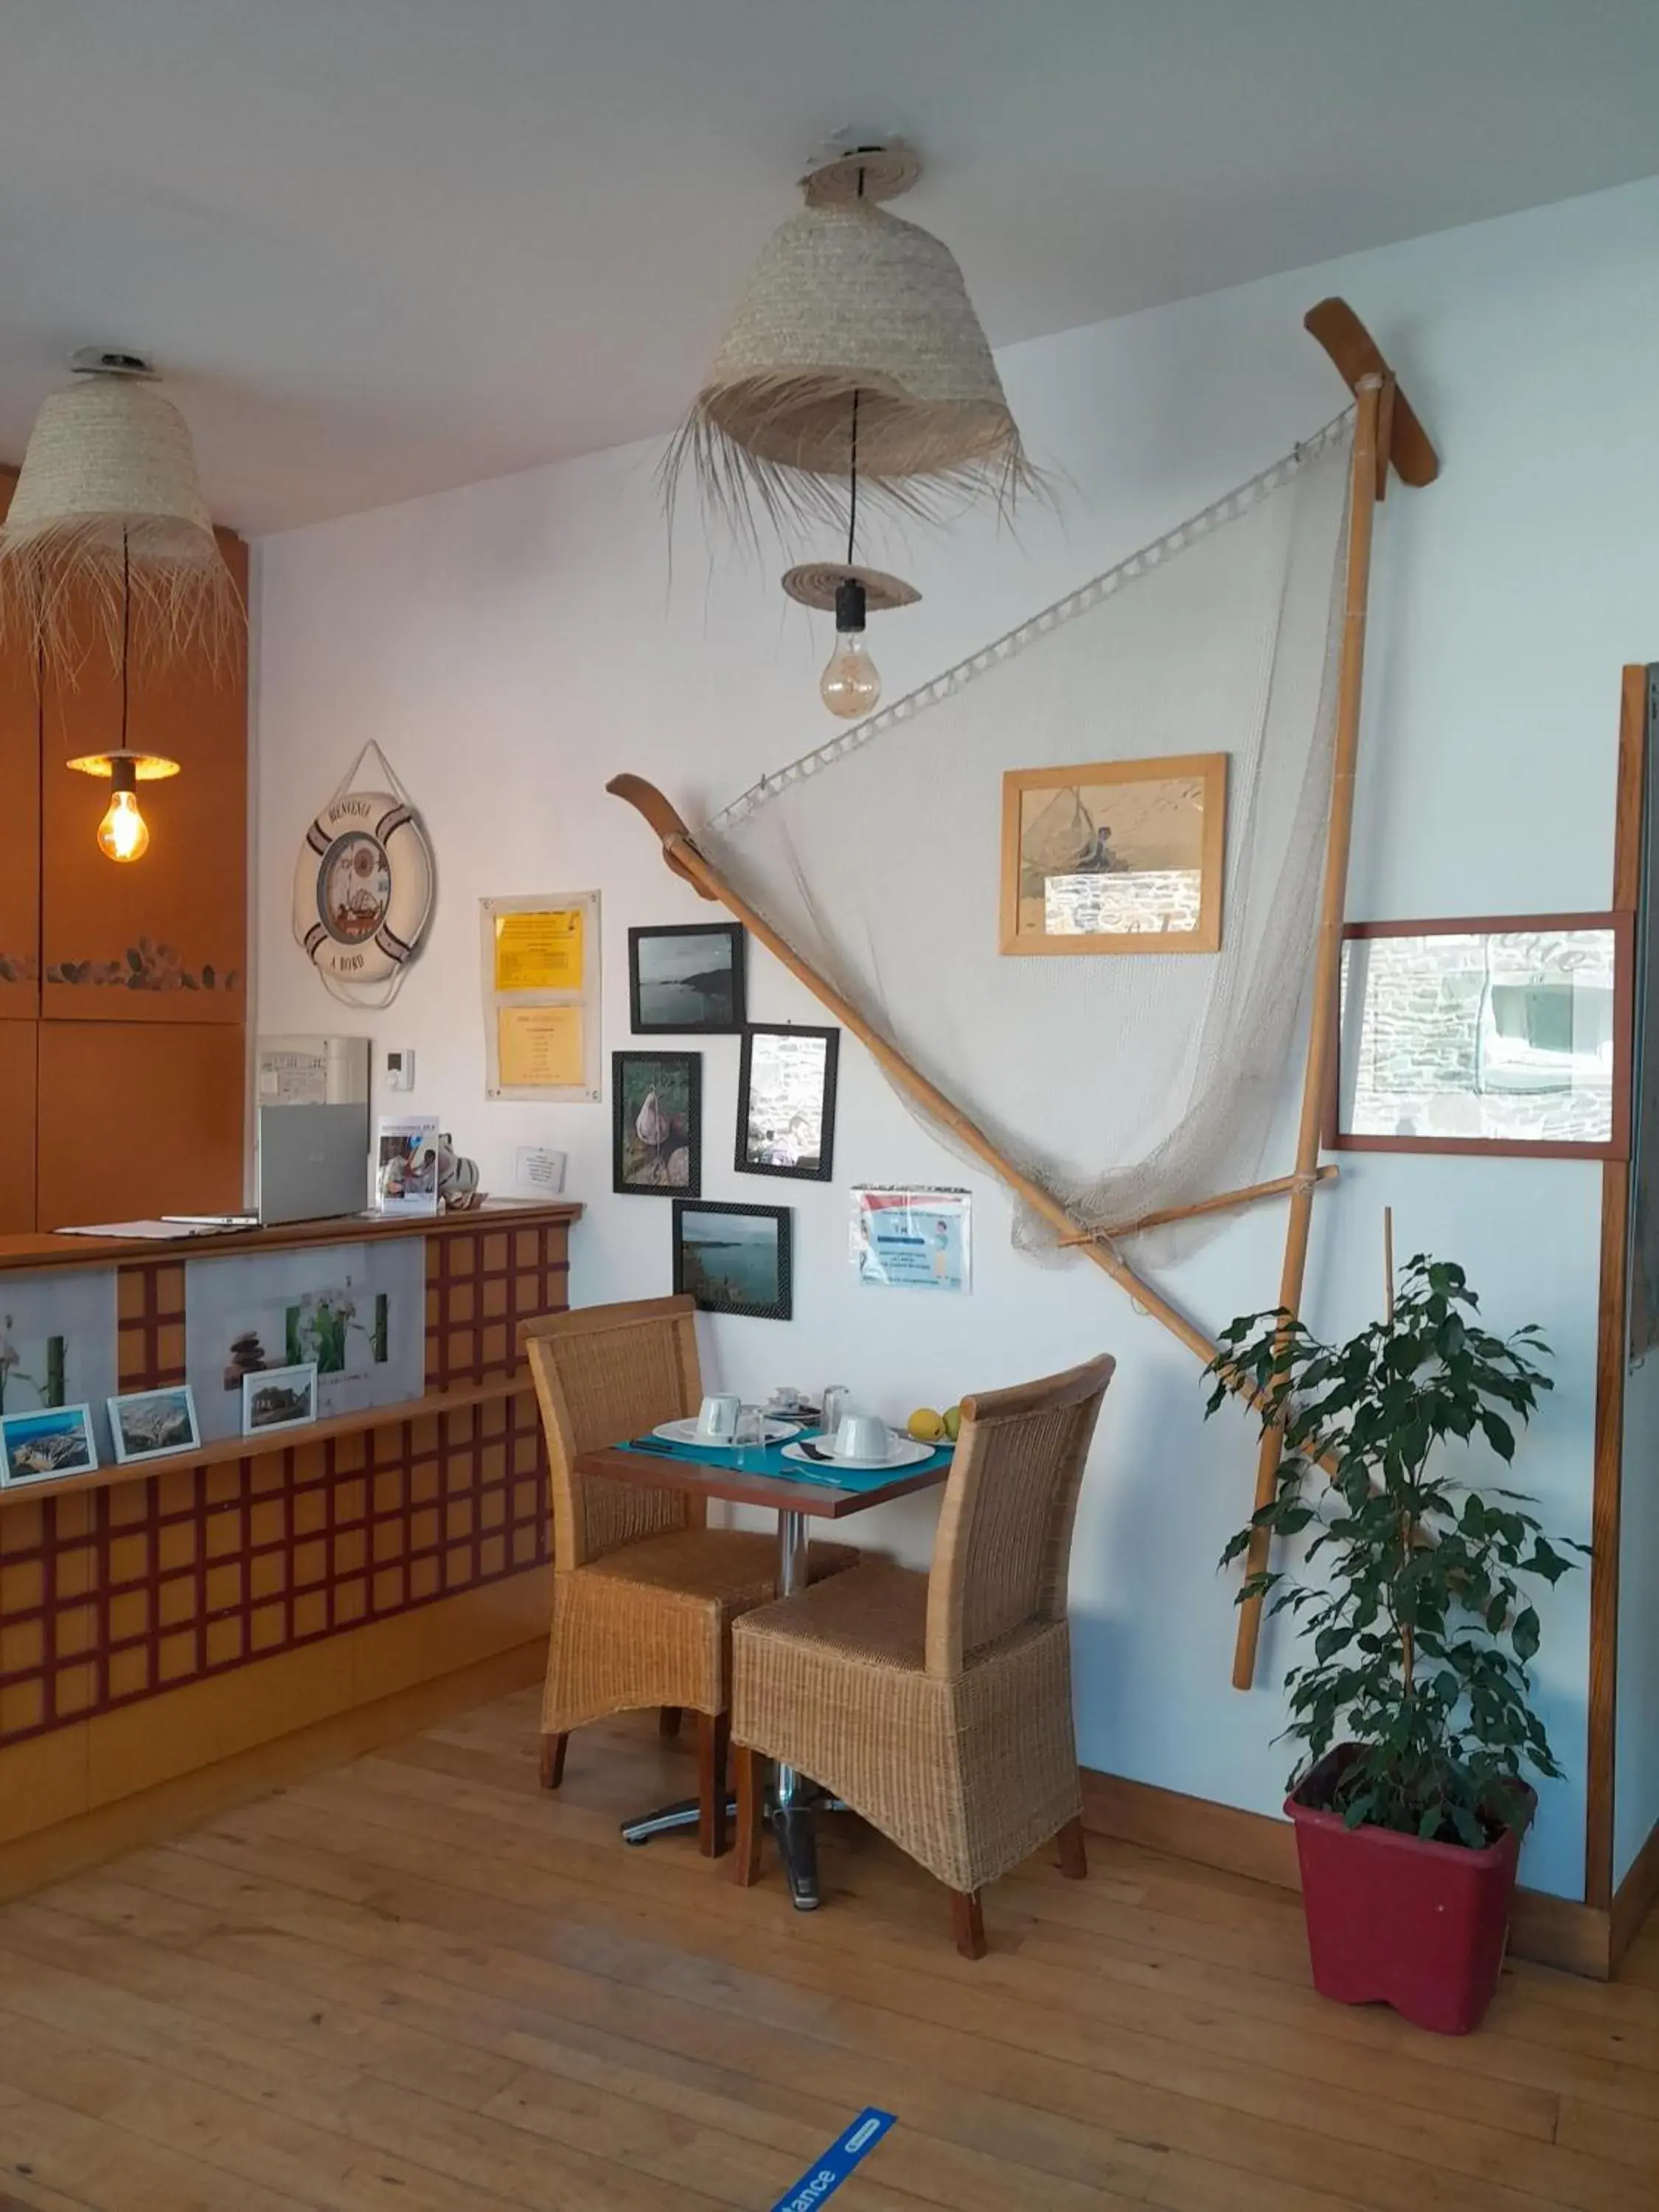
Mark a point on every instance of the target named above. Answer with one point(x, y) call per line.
point(108, 502)
point(848, 298)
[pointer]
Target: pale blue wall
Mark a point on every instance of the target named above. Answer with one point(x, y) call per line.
point(513, 644)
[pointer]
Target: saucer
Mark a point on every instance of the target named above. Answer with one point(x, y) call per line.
point(904, 1452)
point(686, 1433)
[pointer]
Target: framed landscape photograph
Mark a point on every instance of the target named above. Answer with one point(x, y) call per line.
point(787, 1102)
point(46, 1444)
point(154, 1423)
point(686, 979)
point(733, 1259)
point(656, 1125)
point(279, 1398)
point(1114, 856)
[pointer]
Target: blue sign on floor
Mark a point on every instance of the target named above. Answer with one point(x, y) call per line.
point(823, 2178)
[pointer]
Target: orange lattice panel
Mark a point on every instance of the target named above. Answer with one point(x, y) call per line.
point(111, 1595)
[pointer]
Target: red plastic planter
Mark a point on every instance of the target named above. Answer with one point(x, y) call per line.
point(1392, 1921)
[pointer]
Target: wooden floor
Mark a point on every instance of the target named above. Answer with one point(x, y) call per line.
point(418, 1983)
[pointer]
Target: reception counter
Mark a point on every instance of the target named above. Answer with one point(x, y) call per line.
point(158, 1617)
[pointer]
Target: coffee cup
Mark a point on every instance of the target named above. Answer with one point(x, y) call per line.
point(785, 1398)
point(862, 1436)
point(717, 1419)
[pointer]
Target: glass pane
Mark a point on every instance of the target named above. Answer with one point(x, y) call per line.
point(1104, 859)
point(1506, 1036)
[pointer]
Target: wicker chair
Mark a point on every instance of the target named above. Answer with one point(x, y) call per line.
point(644, 1593)
point(938, 1706)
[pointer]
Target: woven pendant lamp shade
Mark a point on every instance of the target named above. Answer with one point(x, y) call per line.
point(846, 299)
point(109, 491)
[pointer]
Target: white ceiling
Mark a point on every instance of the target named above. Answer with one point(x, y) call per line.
point(387, 246)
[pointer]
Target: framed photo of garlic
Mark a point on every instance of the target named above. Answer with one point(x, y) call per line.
point(1114, 856)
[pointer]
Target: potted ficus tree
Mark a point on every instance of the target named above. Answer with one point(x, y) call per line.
point(1411, 1705)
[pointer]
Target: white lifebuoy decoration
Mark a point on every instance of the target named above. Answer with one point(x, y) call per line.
point(363, 890)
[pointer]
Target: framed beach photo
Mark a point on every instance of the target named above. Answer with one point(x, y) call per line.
point(45, 1445)
point(154, 1423)
point(656, 1123)
point(686, 979)
point(1114, 856)
point(279, 1398)
point(787, 1102)
point(733, 1259)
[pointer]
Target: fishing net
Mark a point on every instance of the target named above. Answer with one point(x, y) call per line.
point(1124, 1083)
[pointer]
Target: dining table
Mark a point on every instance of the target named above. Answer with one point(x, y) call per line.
point(760, 1475)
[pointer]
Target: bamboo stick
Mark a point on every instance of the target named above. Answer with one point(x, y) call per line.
point(1222, 1203)
point(1321, 1035)
point(683, 856)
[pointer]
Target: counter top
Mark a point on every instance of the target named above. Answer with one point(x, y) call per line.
point(43, 1249)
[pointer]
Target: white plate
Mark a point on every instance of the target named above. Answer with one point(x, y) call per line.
point(905, 1452)
point(686, 1433)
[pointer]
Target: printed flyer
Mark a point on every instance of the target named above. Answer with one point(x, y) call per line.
point(911, 1239)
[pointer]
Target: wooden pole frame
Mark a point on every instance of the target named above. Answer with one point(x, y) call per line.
point(1387, 434)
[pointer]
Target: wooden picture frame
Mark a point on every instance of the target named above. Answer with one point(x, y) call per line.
point(786, 1114)
point(661, 1003)
point(1613, 1145)
point(668, 1164)
point(1171, 912)
point(754, 1278)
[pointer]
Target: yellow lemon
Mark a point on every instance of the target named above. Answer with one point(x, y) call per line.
point(952, 1422)
point(925, 1425)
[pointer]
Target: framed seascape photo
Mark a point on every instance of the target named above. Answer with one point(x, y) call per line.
point(733, 1259)
point(1496, 1034)
point(656, 1124)
point(685, 979)
point(154, 1423)
point(44, 1445)
point(787, 1102)
point(279, 1398)
point(1118, 856)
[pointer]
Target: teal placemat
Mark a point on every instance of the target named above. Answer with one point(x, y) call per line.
point(768, 1460)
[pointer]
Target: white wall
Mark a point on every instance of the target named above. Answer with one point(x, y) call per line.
point(513, 644)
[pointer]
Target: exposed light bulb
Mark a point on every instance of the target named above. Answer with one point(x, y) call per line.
point(850, 685)
point(851, 682)
point(124, 835)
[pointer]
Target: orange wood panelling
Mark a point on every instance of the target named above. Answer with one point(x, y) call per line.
point(17, 1081)
point(165, 938)
point(138, 1119)
point(19, 823)
point(111, 1596)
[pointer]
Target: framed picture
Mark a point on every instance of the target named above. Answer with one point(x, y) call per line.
point(685, 979)
point(656, 1125)
point(46, 1444)
point(1492, 1034)
point(279, 1398)
point(154, 1423)
point(1114, 856)
point(733, 1259)
point(787, 1102)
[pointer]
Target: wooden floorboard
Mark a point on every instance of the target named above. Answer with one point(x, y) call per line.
point(420, 1981)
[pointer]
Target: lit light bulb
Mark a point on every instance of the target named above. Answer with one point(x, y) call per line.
point(124, 835)
point(851, 683)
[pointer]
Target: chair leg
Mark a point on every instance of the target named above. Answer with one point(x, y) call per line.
point(668, 1720)
point(1073, 1855)
point(553, 1760)
point(751, 1788)
point(967, 1922)
point(714, 1734)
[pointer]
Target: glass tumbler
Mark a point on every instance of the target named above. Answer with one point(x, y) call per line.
point(837, 1401)
point(750, 1437)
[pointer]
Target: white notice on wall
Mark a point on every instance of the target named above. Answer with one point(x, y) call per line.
point(538, 1170)
point(911, 1239)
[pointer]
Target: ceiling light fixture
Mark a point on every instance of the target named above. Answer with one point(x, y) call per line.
point(108, 511)
point(124, 834)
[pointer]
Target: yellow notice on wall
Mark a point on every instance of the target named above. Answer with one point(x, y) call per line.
point(540, 1047)
point(539, 951)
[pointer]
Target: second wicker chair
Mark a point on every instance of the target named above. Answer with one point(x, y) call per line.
point(939, 1706)
point(644, 1592)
